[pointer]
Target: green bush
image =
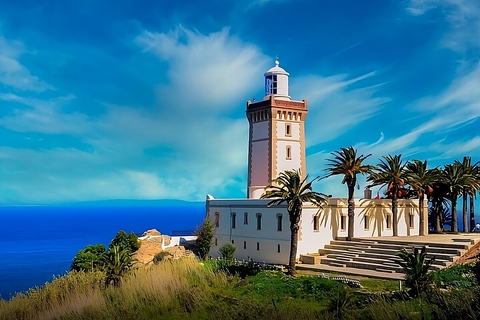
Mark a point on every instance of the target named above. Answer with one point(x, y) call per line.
point(160, 256)
point(459, 276)
point(125, 241)
point(89, 259)
point(227, 251)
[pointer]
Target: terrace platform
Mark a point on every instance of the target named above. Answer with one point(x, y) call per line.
point(377, 257)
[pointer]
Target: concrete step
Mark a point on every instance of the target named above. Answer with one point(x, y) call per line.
point(365, 245)
point(460, 246)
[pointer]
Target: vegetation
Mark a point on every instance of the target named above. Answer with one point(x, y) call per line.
point(159, 257)
point(115, 262)
point(204, 238)
point(345, 162)
point(227, 251)
point(294, 190)
point(189, 289)
point(415, 266)
point(89, 259)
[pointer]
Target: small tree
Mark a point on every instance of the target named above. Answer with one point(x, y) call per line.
point(204, 238)
point(88, 259)
point(227, 251)
point(125, 241)
point(415, 265)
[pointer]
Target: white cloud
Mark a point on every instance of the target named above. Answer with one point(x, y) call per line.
point(462, 16)
point(13, 73)
point(328, 95)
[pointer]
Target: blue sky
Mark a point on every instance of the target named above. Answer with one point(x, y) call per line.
point(146, 99)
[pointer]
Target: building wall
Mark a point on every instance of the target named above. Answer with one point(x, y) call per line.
point(317, 227)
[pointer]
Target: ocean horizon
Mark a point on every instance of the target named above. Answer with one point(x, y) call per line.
point(39, 242)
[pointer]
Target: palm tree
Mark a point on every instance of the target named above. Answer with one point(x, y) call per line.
point(455, 178)
point(421, 179)
point(469, 189)
point(346, 163)
point(390, 172)
point(291, 189)
point(439, 198)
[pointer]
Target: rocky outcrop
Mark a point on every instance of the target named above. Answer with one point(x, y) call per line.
point(153, 242)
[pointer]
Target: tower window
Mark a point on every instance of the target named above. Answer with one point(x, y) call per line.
point(245, 218)
point(244, 244)
point(259, 221)
point(288, 130)
point(278, 248)
point(234, 220)
point(289, 153)
point(258, 245)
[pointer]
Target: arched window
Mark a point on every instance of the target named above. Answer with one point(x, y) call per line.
point(279, 222)
point(259, 221)
point(234, 220)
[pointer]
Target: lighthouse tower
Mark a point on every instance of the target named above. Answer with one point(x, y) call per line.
point(277, 133)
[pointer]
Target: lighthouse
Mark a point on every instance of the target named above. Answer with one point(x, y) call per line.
point(276, 133)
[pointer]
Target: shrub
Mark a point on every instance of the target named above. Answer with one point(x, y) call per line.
point(117, 262)
point(204, 238)
point(416, 265)
point(227, 251)
point(160, 256)
point(125, 241)
point(459, 276)
point(89, 259)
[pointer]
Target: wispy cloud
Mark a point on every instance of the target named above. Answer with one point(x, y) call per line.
point(12, 73)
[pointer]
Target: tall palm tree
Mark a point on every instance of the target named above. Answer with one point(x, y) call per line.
point(390, 172)
point(291, 189)
point(346, 163)
point(439, 198)
point(455, 178)
point(421, 179)
point(469, 189)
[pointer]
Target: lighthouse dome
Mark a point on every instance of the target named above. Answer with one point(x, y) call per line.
point(276, 82)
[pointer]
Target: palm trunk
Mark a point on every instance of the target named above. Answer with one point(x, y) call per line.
point(394, 211)
point(454, 214)
point(421, 201)
point(351, 211)
point(465, 213)
point(294, 226)
point(472, 214)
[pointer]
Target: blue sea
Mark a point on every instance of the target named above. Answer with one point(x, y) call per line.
point(40, 242)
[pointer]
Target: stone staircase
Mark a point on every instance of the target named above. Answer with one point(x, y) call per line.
point(380, 255)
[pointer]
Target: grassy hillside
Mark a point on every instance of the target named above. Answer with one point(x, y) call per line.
point(188, 289)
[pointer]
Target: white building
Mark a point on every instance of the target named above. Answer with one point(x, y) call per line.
point(276, 144)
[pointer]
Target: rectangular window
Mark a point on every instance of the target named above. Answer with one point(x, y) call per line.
point(389, 221)
point(412, 221)
point(278, 248)
point(217, 219)
point(366, 222)
point(258, 245)
point(244, 244)
point(259, 221)
point(233, 241)
point(245, 218)
point(216, 242)
point(234, 220)
point(279, 222)
point(316, 223)
point(343, 222)
point(289, 153)
point(288, 130)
